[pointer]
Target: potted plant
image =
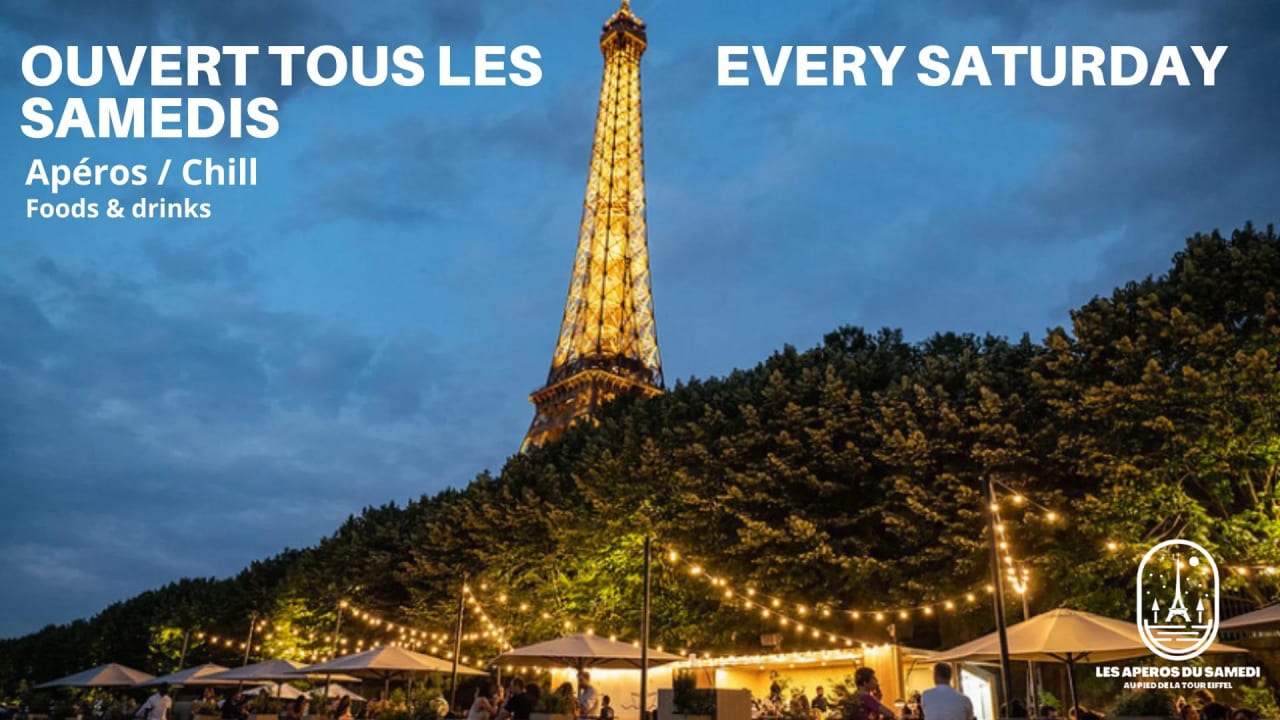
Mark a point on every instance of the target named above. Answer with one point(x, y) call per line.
point(1144, 704)
point(688, 701)
point(265, 707)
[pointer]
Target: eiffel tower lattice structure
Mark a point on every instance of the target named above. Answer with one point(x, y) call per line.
point(608, 343)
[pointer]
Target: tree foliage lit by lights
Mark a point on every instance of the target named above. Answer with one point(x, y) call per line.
point(847, 474)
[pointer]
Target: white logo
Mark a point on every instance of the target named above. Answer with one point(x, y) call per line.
point(1178, 600)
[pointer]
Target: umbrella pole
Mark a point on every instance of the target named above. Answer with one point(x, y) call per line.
point(644, 629)
point(1071, 685)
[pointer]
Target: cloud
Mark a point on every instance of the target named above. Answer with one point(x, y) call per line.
point(147, 423)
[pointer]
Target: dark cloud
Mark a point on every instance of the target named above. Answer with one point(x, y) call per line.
point(147, 424)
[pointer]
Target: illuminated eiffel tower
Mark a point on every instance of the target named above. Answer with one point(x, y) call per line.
point(608, 344)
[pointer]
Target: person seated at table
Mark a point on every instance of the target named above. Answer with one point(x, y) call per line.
point(233, 707)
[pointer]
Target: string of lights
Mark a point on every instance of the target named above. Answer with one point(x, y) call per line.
point(492, 631)
point(752, 598)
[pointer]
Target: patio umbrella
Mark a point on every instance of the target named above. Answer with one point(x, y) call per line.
point(1064, 636)
point(386, 663)
point(1269, 615)
point(285, 691)
point(583, 651)
point(276, 671)
point(271, 671)
point(195, 675)
point(104, 676)
point(336, 691)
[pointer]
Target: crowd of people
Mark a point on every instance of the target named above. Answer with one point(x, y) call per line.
point(521, 698)
point(944, 702)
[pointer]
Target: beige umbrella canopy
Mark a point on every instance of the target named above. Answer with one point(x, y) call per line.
point(1063, 636)
point(276, 671)
point(195, 675)
point(583, 651)
point(337, 691)
point(109, 675)
point(289, 692)
point(284, 692)
point(385, 663)
point(1269, 615)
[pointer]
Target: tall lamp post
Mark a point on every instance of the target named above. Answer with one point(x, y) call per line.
point(1006, 679)
point(644, 628)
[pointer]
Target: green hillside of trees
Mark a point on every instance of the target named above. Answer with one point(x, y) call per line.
point(844, 476)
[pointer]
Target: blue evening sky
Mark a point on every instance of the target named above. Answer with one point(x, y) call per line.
point(181, 397)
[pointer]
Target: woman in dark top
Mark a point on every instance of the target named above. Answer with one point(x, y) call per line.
point(233, 707)
point(298, 708)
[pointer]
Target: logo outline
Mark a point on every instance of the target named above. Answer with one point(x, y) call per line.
point(1150, 632)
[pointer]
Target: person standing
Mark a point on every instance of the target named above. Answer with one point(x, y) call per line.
point(587, 700)
point(943, 702)
point(820, 702)
point(342, 708)
point(606, 710)
point(297, 710)
point(519, 702)
point(157, 706)
point(865, 703)
point(482, 708)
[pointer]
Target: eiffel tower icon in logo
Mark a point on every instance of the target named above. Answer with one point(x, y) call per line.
point(1179, 606)
point(1178, 636)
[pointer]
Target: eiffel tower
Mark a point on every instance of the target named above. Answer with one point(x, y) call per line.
point(608, 343)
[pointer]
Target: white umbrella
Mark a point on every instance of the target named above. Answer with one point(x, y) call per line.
point(277, 671)
point(336, 691)
point(583, 651)
point(1269, 615)
point(195, 675)
point(109, 675)
point(271, 671)
point(385, 663)
point(1064, 636)
point(285, 691)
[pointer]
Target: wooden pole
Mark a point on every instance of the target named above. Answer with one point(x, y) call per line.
point(457, 645)
point(1006, 676)
point(248, 643)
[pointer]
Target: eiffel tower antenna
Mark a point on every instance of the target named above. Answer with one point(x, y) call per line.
point(608, 342)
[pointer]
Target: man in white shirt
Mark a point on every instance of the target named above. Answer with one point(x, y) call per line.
point(157, 706)
point(587, 702)
point(943, 702)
